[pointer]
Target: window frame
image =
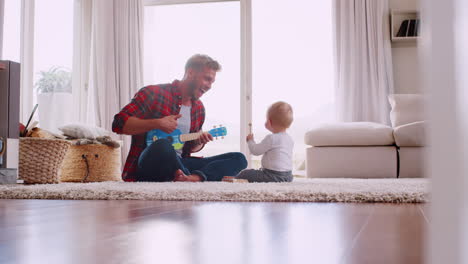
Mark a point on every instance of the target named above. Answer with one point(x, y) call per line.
point(26, 58)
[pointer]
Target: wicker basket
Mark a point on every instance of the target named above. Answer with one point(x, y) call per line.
point(40, 159)
point(91, 163)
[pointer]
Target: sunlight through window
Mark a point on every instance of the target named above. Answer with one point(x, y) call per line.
point(11, 30)
point(292, 62)
point(53, 54)
point(173, 33)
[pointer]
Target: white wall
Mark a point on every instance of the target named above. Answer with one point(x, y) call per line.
point(445, 66)
point(406, 66)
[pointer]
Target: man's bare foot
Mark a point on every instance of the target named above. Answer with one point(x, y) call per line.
point(177, 174)
point(180, 176)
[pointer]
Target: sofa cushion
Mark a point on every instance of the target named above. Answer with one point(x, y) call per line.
point(406, 108)
point(350, 134)
point(411, 135)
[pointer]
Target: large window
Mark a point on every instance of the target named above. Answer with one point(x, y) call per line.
point(11, 30)
point(292, 62)
point(291, 54)
point(53, 54)
point(291, 57)
point(173, 33)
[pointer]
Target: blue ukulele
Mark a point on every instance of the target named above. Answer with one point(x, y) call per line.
point(178, 139)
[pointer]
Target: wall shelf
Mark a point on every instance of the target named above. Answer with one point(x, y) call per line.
point(396, 18)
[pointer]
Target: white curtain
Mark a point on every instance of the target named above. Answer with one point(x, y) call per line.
point(111, 69)
point(81, 58)
point(364, 75)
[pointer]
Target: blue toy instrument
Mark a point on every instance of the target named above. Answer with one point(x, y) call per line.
point(178, 139)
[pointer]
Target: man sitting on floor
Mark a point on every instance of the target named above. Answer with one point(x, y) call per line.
point(167, 107)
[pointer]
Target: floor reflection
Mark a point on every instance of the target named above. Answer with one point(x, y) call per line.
point(205, 232)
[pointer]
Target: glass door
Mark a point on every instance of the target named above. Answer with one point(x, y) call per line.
point(173, 33)
point(292, 61)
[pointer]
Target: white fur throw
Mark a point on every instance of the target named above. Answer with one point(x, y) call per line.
point(83, 131)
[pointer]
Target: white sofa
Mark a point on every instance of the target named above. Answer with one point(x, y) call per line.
point(371, 150)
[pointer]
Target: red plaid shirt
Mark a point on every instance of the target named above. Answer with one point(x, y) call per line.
point(155, 101)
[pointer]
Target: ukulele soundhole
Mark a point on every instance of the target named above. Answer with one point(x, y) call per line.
point(171, 139)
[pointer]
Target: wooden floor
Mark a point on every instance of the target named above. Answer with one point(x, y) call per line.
point(49, 231)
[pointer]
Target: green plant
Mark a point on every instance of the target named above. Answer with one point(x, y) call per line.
point(55, 80)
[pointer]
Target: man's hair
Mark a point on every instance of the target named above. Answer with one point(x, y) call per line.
point(199, 61)
point(280, 114)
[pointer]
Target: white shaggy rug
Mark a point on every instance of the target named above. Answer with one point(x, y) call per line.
point(300, 190)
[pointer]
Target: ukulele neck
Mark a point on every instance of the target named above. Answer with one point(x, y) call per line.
point(190, 137)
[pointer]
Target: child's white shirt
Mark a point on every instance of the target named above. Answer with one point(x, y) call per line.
point(277, 150)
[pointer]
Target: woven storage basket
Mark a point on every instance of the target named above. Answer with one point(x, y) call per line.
point(91, 163)
point(40, 159)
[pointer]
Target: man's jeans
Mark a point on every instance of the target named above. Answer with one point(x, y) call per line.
point(159, 161)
